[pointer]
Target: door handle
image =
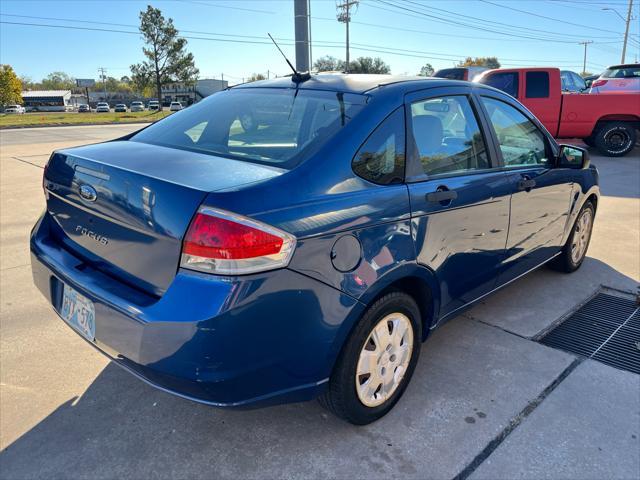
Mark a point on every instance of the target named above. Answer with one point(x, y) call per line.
point(440, 196)
point(526, 184)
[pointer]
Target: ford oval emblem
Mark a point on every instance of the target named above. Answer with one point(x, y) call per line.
point(88, 193)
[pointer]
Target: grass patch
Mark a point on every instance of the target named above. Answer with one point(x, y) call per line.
point(74, 118)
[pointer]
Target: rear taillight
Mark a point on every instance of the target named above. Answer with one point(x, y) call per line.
point(598, 83)
point(228, 244)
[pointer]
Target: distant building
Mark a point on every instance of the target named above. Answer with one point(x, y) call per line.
point(188, 94)
point(47, 100)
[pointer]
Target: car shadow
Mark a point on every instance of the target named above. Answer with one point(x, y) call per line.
point(122, 428)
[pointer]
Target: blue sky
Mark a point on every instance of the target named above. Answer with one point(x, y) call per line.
point(409, 32)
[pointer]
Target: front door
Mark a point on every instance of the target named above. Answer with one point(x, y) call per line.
point(541, 192)
point(459, 202)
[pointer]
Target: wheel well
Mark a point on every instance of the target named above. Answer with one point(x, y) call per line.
point(421, 293)
point(633, 120)
point(593, 198)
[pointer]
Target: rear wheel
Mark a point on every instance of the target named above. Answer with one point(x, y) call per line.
point(575, 249)
point(377, 361)
point(615, 139)
point(589, 141)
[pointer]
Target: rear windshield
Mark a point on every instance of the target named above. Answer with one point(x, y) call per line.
point(451, 73)
point(262, 125)
point(622, 72)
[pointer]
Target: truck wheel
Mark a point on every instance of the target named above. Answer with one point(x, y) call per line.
point(615, 139)
point(589, 141)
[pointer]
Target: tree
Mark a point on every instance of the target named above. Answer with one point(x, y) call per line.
point(489, 62)
point(368, 65)
point(426, 71)
point(166, 58)
point(58, 81)
point(10, 86)
point(255, 77)
point(586, 74)
point(328, 64)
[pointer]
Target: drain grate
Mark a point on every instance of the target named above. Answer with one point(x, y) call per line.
point(606, 328)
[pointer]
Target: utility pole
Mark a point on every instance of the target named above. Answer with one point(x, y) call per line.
point(626, 32)
point(344, 16)
point(584, 62)
point(301, 23)
point(103, 76)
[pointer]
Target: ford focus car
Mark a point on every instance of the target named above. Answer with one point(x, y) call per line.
point(311, 254)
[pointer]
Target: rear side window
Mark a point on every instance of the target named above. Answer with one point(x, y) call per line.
point(381, 158)
point(447, 136)
point(507, 82)
point(537, 85)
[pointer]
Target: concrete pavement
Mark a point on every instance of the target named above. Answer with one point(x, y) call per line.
point(485, 401)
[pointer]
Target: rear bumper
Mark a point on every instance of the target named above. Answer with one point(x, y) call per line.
point(243, 341)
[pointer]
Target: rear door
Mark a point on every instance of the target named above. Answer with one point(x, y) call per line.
point(541, 192)
point(459, 202)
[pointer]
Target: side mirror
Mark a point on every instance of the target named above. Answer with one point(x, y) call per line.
point(573, 157)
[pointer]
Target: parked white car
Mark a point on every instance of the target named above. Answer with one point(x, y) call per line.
point(154, 105)
point(175, 106)
point(137, 107)
point(103, 107)
point(14, 109)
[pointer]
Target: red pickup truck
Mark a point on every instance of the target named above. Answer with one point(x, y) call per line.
point(608, 122)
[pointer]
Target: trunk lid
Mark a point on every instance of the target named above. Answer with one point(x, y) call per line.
point(124, 206)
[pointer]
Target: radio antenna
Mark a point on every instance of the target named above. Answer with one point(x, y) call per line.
point(297, 77)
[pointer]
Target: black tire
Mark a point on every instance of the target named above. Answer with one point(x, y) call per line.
point(589, 141)
point(615, 139)
point(341, 397)
point(565, 261)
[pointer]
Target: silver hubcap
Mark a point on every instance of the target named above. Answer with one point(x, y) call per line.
point(384, 359)
point(581, 235)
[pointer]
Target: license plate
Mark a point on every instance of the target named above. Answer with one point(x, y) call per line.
point(79, 312)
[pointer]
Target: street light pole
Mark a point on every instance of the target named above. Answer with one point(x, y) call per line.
point(626, 30)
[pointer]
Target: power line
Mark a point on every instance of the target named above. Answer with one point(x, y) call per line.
point(226, 6)
point(483, 21)
point(452, 22)
point(565, 22)
point(361, 47)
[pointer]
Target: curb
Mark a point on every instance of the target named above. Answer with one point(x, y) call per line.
point(19, 127)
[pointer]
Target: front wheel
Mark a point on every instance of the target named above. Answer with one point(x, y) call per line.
point(615, 139)
point(377, 361)
point(575, 249)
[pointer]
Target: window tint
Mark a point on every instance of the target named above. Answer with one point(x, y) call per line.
point(537, 85)
point(447, 136)
point(521, 142)
point(381, 158)
point(263, 125)
point(451, 73)
point(507, 82)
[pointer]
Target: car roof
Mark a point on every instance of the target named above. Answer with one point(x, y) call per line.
point(350, 83)
point(625, 65)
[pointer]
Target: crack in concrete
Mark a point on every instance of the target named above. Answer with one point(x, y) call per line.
point(516, 421)
point(27, 162)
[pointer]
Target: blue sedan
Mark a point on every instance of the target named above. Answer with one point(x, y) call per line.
point(285, 240)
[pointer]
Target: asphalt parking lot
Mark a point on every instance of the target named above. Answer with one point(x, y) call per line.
point(486, 401)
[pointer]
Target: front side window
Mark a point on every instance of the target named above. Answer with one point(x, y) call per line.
point(262, 125)
point(381, 158)
point(537, 85)
point(521, 141)
point(507, 82)
point(447, 136)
